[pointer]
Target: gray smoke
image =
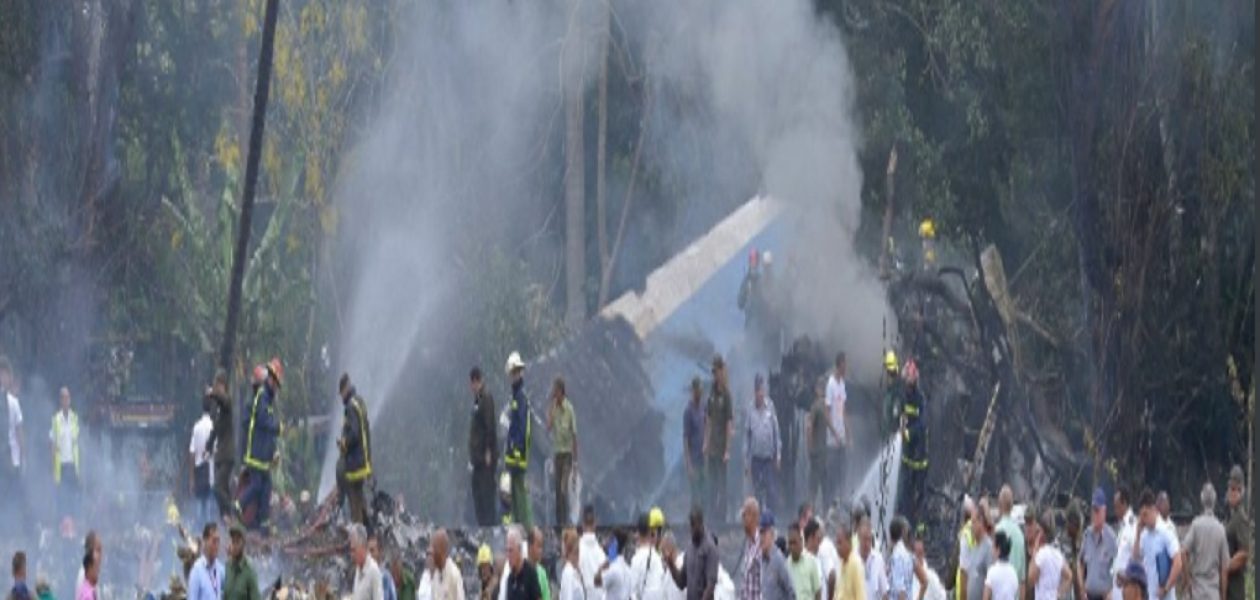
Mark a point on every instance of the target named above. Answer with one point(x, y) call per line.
point(747, 96)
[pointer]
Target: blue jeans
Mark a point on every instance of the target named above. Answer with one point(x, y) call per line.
point(763, 479)
point(206, 512)
point(257, 494)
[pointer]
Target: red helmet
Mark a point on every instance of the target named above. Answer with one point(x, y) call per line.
point(276, 370)
point(911, 372)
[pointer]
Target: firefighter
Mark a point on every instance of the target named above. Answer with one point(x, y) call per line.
point(914, 449)
point(516, 458)
point(927, 232)
point(892, 393)
point(356, 448)
point(262, 430)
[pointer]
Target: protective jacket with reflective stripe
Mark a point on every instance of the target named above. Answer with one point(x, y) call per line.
point(356, 439)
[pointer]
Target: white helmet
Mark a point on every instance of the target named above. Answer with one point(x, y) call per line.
point(514, 362)
point(767, 258)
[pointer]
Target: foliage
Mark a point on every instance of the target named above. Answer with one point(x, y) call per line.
point(1102, 147)
point(1105, 147)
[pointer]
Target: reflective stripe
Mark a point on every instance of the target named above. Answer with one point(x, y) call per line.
point(366, 471)
point(250, 461)
point(74, 434)
point(917, 465)
point(516, 457)
point(912, 410)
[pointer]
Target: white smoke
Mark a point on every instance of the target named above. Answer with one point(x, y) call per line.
point(745, 94)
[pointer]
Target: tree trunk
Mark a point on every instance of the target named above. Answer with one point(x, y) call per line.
point(601, 154)
point(889, 208)
point(574, 187)
point(239, 257)
point(605, 280)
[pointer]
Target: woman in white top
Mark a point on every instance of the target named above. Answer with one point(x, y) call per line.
point(1001, 583)
point(571, 586)
point(1048, 568)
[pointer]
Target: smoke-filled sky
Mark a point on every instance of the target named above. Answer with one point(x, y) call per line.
point(747, 96)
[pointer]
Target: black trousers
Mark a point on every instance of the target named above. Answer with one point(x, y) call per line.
point(223, 486)
point(484, 495)
point(564, 467)
point(913, 493)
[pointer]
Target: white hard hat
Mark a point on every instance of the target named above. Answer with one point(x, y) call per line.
point(766, 258)
point(514, 362)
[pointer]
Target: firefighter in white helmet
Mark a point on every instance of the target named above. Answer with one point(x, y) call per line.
point(516, 456)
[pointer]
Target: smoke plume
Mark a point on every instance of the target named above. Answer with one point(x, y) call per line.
point(746, 97)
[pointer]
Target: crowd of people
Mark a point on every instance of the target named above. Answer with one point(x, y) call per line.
point(1005, 551)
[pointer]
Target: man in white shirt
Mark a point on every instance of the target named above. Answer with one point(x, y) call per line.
point(14, 417)
point(614, 576)
point(368, 584)
point(590, 555)
point(647, 568)
point(200, 466)
point(838, 434)
point(824, 550)
point(447, 583)
point(11, 466)
point(876, 573)
point(1122, 505)
point(64, 437)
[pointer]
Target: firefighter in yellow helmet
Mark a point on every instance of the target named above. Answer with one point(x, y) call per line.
point(927, 232)
point(892, 393)
point(356, 449)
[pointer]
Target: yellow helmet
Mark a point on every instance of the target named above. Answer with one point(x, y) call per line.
point(927, 229)
point(172, 512)
point(656, 518)
point(484, 557)
point(890, 362)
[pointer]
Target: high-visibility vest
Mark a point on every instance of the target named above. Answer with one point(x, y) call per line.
point(56, 435)
point(366, 471)
point(250, 461)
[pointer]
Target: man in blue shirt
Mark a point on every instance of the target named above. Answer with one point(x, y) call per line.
point(693, 442)
point(1153, 546)
point(205, 581)
point(901, 566)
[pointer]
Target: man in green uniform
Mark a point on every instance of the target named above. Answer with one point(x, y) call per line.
point(717, 450)
point(240, 583)
point(562, 424)
point(1238, 535)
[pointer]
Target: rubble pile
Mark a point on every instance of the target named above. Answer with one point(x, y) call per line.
point(315, 560)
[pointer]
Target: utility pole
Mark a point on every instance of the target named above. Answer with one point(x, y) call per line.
point(261, 91)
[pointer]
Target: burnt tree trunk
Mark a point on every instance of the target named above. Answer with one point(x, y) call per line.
point(574, 178)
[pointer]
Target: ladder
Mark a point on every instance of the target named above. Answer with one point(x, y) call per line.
point(973, 471)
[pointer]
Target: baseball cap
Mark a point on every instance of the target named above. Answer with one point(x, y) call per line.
point(1100, 498)
point(767, 519)
point(1236, 475)
point(1135, 573)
